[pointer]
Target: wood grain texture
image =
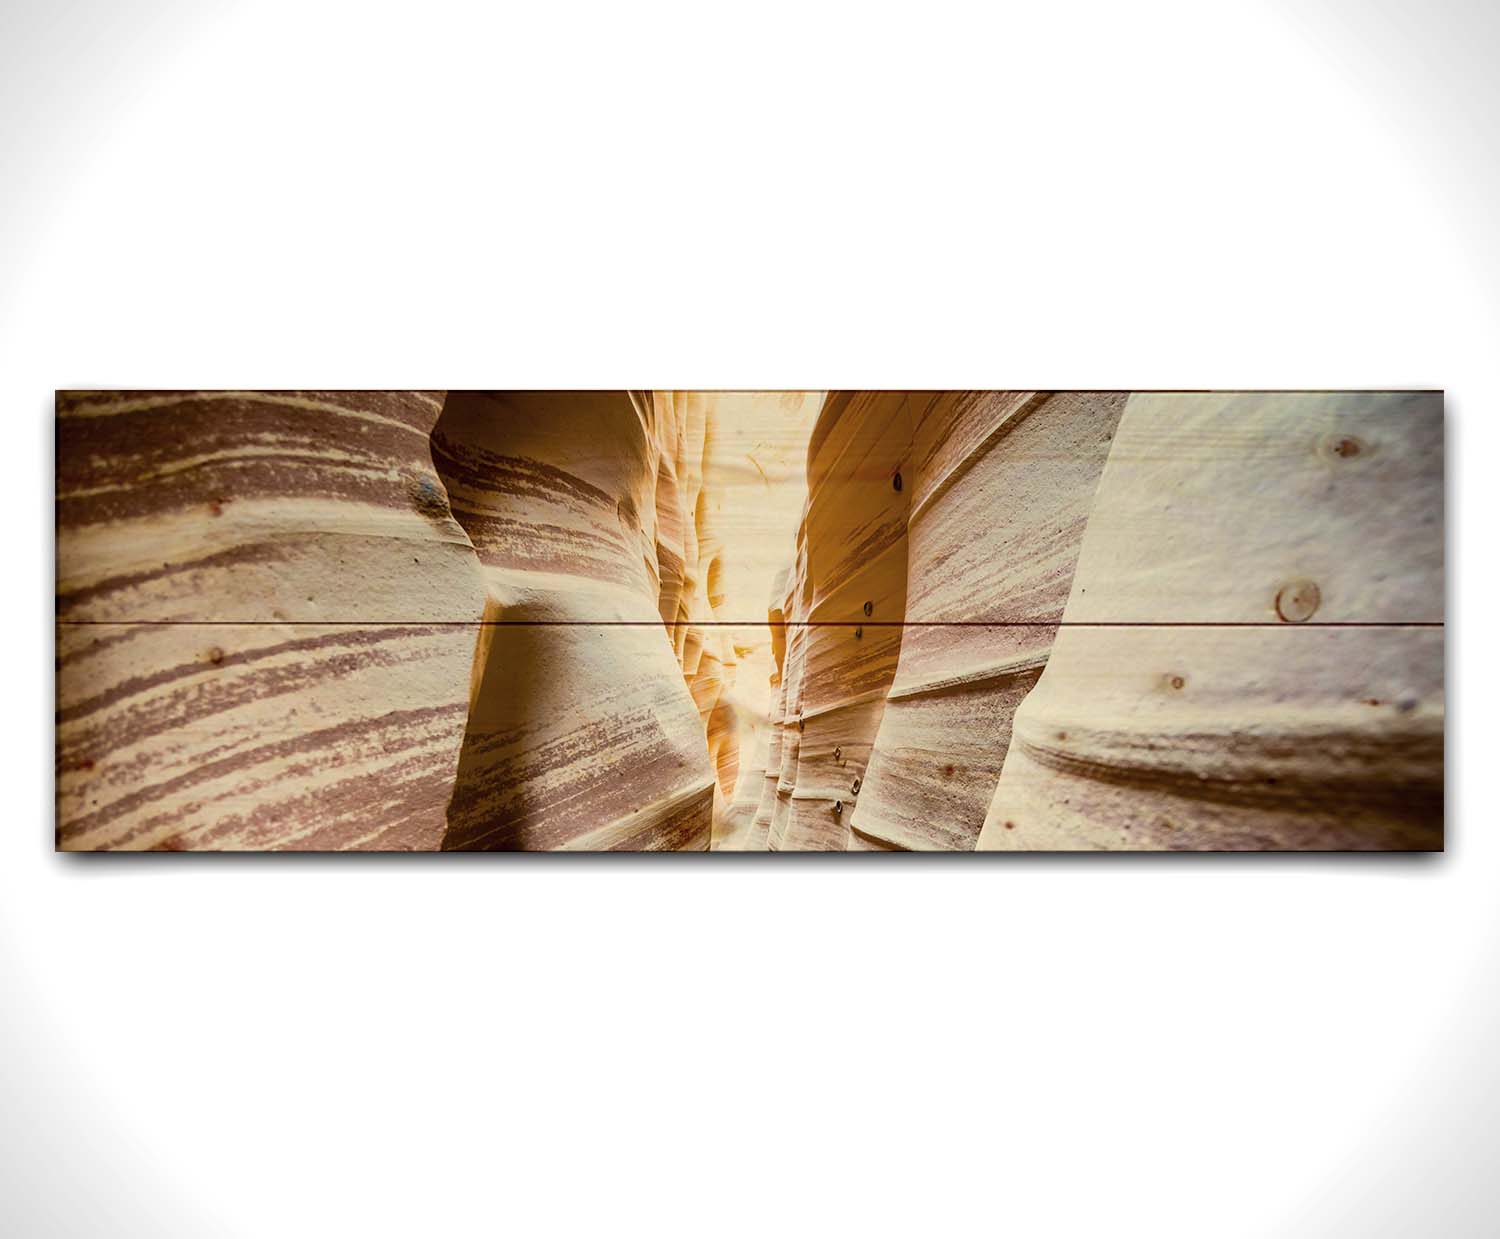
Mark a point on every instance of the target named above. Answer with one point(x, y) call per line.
point(258, 736)
point(767, 797)
point(1002, 487)
point(267, 619)
point(847, 595)
point(749, 621)
point(1251, 650)
point(583, 731)
point(1253, 655)
point(928, 515)
point(274, 632)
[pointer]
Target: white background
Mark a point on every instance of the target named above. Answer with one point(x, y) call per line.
point(785, 194)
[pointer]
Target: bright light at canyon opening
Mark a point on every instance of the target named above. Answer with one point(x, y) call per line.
point(755, 480)
point(795, 621)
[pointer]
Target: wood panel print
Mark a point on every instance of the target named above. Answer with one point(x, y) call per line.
point(747, 621)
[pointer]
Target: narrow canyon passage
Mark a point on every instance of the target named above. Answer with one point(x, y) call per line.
point(930, 573)
point(628, 543)
point(749, 621)
point(1095, 620)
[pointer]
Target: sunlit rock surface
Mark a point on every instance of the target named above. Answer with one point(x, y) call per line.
point(849, 588)
point(1251, 650)
point(274, 633)
point(749, 621)
point(1253, 655)
point(618, 683)
point(764, 793)
point(933, 564)
point(755, 485)
point(583, 730)
point(267, 621)
point(1001, 486)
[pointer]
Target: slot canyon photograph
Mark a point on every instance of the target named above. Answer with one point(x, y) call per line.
point(680, 621)
point(749, 621)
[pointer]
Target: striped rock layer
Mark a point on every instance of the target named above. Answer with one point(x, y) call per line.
point(1001, 484)
point(787, 709)
point(390, 620)
point(745, 824)
point(754, 492)
point(1208, 621)
point(757, 836)
point(273, 632)
point(266, 620)
point(1252, 652)
point(846, 600)
point(586, 728)
point(934, 561)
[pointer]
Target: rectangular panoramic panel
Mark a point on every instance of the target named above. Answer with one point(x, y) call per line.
point(748, 621)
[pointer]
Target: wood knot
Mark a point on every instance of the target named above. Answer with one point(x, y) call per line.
point(1343, 447)
point(1297, 600)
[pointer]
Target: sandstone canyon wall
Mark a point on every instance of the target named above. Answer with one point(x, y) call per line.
point(1181, 621)
point(1252, 654)
point(587, 724)
point(1001, 486)
point(846, 599)
point(763, 793)
point(749, 621)
point(933, 563)
point(378, 620)
point(266, 621)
